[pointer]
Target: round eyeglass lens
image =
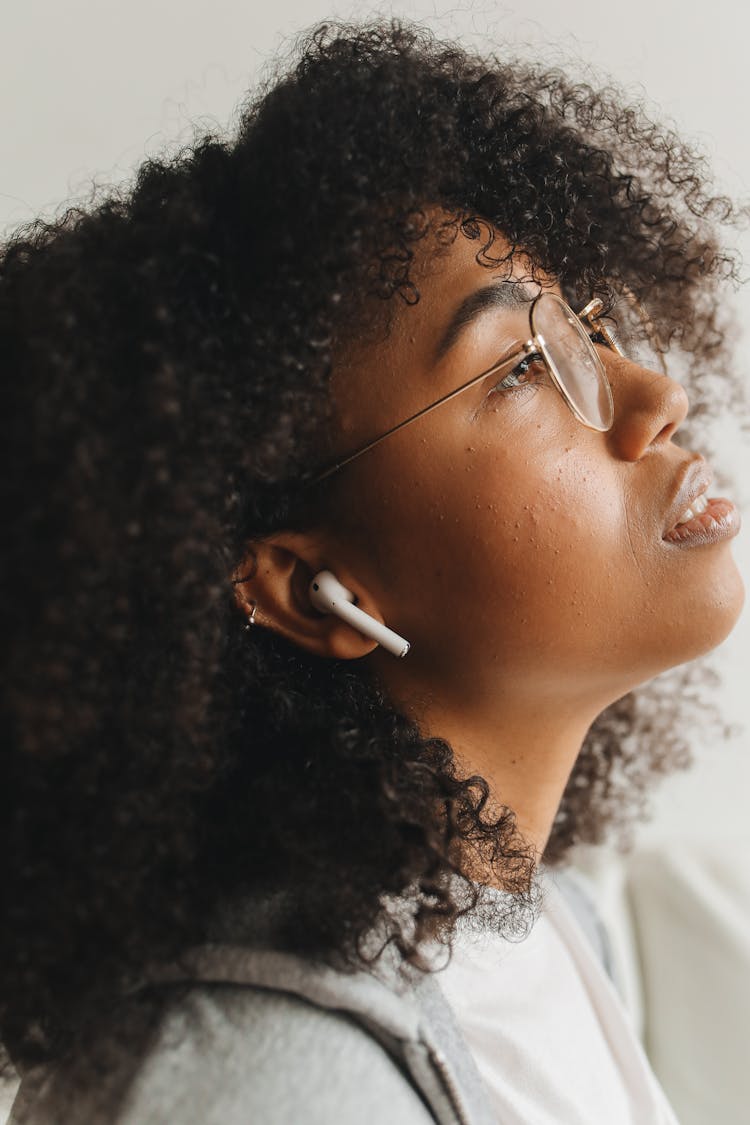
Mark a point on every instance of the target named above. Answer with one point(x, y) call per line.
point(573, 359)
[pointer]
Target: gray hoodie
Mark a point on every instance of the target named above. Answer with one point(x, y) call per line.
point(256, 1036)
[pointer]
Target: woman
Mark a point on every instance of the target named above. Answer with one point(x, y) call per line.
point(385, 349)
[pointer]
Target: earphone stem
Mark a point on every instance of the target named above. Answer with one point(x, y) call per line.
point(367, 625)
point(330, 596)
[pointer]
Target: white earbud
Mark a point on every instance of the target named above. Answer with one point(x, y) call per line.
point(329, 596)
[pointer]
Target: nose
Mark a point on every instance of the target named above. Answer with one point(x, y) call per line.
point(648, 407)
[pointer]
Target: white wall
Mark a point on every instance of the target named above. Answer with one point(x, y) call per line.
point(88, 87)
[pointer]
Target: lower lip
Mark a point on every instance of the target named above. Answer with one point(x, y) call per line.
point(721, 520)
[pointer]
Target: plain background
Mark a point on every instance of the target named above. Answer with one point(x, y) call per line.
point(90, 87)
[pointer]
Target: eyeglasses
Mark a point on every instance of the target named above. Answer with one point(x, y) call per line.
point(564, 342)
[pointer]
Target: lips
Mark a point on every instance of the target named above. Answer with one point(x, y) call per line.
point(693, 480)
point(695, 519)
point(720, 520)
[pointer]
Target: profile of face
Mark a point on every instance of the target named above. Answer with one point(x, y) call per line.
point(521, 553)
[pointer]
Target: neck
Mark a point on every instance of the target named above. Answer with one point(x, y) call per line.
point(525, 760)
point(522, 733)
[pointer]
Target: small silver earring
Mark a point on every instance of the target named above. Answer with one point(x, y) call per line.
point(251, 618)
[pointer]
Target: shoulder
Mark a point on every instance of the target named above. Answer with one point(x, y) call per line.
point(241, 1054)
point(229, 1054)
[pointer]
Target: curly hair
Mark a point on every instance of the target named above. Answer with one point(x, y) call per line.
point(167, 354)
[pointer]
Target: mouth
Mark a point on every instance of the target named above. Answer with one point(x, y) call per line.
point(695, 517)
point(697, 507)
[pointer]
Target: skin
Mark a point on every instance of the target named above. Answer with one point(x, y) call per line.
point(519, 551)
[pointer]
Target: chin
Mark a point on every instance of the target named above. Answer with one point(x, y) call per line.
point(691, 630)
point(712, 618)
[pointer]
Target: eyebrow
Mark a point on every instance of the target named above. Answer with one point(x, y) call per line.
point(503, 295)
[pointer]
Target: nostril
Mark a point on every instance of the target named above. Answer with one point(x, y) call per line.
point(666, 431)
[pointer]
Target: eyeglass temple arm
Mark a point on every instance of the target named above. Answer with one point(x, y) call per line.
point(589, 313)
point(512, 359)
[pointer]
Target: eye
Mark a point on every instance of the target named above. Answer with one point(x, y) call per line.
point(530, 370)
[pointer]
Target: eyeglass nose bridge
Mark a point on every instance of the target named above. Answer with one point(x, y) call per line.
point(590, 313)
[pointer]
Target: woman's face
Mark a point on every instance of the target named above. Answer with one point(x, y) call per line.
point(521, 553)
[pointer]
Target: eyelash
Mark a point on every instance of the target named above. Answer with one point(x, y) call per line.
point(521, 369)
point(528, 362)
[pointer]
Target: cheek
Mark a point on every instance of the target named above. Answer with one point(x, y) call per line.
point(533, 556)
point(497, 546)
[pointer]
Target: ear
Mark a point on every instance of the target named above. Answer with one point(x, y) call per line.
point(275, 574)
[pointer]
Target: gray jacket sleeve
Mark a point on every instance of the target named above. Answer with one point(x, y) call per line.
point(262, 1037)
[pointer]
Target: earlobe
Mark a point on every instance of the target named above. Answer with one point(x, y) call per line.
point(276, 574)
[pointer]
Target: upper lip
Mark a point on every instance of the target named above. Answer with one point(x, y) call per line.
point(693, 479)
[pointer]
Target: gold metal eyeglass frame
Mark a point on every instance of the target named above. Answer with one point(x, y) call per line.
point(589, 315)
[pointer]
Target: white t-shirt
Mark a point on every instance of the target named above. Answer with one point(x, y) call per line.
point(547, 1029)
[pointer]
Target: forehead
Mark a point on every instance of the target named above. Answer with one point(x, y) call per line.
point(452, 261)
